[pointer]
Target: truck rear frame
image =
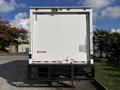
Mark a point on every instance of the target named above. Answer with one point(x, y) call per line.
point(64, 71)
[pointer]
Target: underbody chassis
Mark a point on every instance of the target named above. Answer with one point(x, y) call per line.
point(61, 72)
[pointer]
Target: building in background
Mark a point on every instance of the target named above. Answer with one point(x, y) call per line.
point(12, 48)
point(23, 48)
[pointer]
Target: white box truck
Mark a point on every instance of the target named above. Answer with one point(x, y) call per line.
point(61, 45)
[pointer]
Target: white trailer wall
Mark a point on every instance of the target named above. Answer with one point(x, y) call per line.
point(59, 37)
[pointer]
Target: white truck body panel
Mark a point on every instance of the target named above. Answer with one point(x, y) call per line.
point(60, 38)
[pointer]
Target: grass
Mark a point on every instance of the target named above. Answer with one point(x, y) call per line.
point(108, 75)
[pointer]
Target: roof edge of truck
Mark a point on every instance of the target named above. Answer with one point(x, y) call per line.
point(61, 7)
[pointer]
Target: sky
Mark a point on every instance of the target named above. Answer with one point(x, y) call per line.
point(106, 13)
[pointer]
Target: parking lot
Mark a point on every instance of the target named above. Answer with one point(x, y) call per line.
point(13, 77)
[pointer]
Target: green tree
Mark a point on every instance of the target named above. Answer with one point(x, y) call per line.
point(10, 34)
point(114, 45)
point(101, 38)
point(108, 43)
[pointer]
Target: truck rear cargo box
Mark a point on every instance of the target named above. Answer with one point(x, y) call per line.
point(61, 42)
